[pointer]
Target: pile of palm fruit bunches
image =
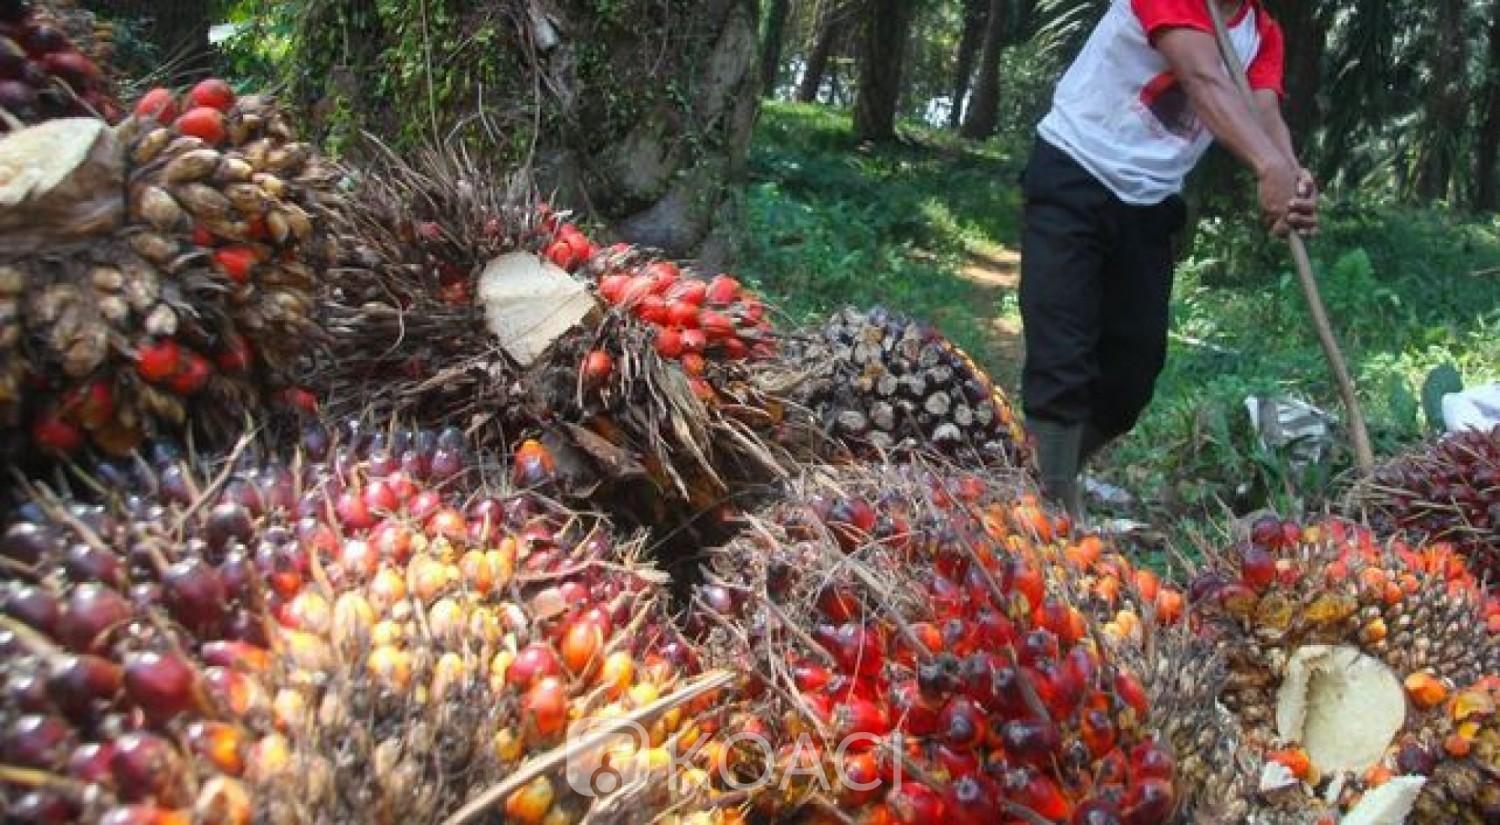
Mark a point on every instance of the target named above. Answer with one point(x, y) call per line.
point(260, 562)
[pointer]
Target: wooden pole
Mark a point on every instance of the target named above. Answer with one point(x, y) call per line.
point(1363, 455)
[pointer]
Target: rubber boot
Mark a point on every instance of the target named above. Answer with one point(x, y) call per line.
point(1057, 456)
point(1092, 442)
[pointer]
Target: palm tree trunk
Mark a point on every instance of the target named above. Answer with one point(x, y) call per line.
point(1447, 100)
point(177, 28)
point(824, 37)
point(771, 43)
point(1488, 144)
point(984, 110)
point(882, 50)
point(1306, 42)
point(975, 13)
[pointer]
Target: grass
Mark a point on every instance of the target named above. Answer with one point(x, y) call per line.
point(833, 223)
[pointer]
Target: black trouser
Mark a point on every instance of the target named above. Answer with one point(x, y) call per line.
point(1096, 279)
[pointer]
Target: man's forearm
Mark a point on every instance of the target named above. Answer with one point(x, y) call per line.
point(1222, 109)
point(1268, 106)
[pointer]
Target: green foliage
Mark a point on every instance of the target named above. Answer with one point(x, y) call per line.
point(830, 225)
point(1398, 286)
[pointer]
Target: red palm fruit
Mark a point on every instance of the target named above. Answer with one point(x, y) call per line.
point(53, 433)
point(928, 641)
point(1098, 732)
point(1028, 581)
point(694, 340)
point(598, 366)
point(34, 606)
point(91, 612)
point(80, 685)
point(533, 663)
point(956, 762)
point(662, 275)
point(37, 741)
point(544, 708)
point(860, 723)
point(219, 744)
point(973, 800)
point(223, 801)
point(238, 262)
point(1065, 621)
point(669, 342)
point(1257, 567)
point(193, 375)
point(561, 253)
point(682, 314)
point(996, 631)
point(533, 465)
point(1058, 688)
point(735, 349)
point(962, 723)
point(91, 404)
point(652, 309)
point(147, 767)
point(977, 673)
point(447, 523)
point(723, 290)
point(840, 604)
point(860, 779)
point(144, 815)
point(158, 104)
point(1032, 741)
point(203, 122)
point(163, 685)
point(716, 326)
point(946, 597)
point(689, 291)
point(856, 649)
point(581, 647)
point(612, 287)
point(910, 712)
point(239, 656)
point(1132, 693)
point(194, 593)
point(1037, 646)
point(213, 92)
point(916, 804)
point(1147, 802)
point(1152, 760)
point(90, 763)
point(811, 677)
point(1041, 795)
point(238, 694)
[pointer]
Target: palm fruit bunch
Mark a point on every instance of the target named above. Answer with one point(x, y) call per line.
point(460, 299)
point(1465, 784)
point(884, 383)
point(1448, 491)
point(358, 631)
point(1340, 655)
point(44, 73)
point(161, 271)
point(911, 656)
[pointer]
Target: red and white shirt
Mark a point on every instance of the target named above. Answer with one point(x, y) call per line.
point(1120, 112)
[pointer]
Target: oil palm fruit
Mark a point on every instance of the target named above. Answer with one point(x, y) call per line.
point(1341, 655)
point(354, 630)
point(883, 382)
point(899, 622)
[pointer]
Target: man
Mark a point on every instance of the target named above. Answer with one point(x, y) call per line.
point(1130, 118)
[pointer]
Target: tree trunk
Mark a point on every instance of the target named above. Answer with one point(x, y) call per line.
point(984, 109)
point(177, 28)
point(638, 121)
point(771, 43)
point(882, 51)
point(975, 15)
point(1487, 146)
point(1447, 104)
point(825, 36)
point(1306, 42)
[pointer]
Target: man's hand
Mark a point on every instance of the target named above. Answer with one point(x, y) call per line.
point(1289, 200)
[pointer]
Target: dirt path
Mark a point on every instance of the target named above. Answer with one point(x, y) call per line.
point(998, 272)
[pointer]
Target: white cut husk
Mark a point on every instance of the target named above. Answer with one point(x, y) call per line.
point(1343, 707)
point(530, 302)
point(59, 180)
point(1389, 804)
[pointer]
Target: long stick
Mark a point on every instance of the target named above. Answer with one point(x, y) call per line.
point(1363, 455)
